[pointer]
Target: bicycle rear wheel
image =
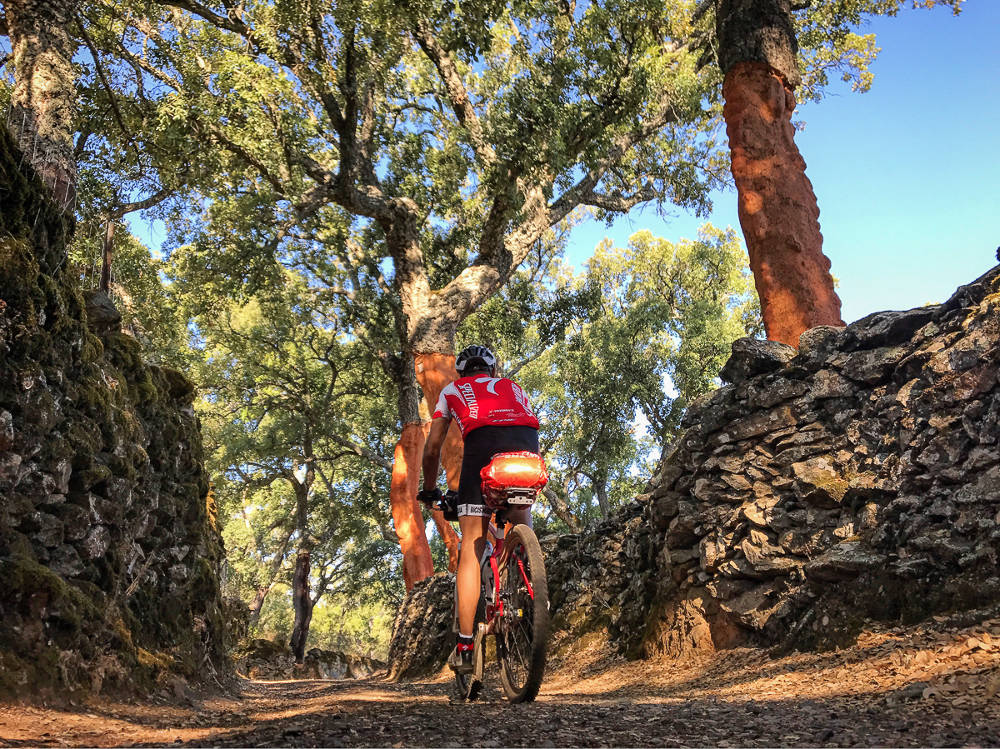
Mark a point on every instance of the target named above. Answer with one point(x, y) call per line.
point(522, 639)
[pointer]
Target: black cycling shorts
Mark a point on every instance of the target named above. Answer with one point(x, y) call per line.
point(480, 446)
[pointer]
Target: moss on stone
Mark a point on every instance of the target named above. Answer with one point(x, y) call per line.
point(155, 662)
point(94, 402)
point(25, 209)
point(24, 576)
point(92, 348)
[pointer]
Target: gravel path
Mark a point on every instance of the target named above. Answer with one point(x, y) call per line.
point(935, 685)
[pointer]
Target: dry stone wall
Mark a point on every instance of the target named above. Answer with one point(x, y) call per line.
point(855, 477)
point(269, 660)
point(422, 634)
point(109, 553)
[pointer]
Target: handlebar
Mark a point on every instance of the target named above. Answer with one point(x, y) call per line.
point(450, 497)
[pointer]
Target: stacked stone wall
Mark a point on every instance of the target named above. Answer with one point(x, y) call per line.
point(109, 552)
point(855, 477)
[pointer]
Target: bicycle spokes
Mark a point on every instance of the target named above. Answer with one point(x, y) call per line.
point(518, 620)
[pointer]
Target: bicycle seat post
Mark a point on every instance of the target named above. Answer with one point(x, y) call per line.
point(501, 522)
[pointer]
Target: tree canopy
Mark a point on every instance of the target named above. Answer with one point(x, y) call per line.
point(348, 185)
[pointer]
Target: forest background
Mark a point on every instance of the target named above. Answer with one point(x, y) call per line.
point(286, 321)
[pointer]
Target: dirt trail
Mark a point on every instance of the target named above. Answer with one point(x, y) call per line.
point(935, 685)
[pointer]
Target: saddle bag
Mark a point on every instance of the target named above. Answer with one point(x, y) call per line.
point(514, 477)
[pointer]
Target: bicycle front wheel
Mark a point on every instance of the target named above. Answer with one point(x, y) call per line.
point(523, 637)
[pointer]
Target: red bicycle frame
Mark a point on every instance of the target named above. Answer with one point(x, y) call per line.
point(494, 611)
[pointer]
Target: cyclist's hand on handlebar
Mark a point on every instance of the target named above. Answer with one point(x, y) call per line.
point(429, 497)
point(449, 505)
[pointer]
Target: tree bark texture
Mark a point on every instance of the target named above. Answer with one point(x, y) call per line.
point(777, 206)
point(562, 510)
point(258, 604)
point(42, 102)
point(758, 31)
point(406, 514)
point(434, 372)
point(265, 587)
point(302, 604)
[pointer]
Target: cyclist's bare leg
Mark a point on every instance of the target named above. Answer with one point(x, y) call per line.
point(467, 580)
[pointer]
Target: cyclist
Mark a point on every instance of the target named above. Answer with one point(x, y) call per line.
point(494, 416)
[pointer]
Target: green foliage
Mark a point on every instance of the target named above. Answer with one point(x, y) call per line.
point(276, 616)
point(829, 41)
point(612, 358)
point(300, 433)
point(357, 625)
point(139, 288)
point(261, 96)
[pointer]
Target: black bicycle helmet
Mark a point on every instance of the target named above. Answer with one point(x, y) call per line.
point(472, 355)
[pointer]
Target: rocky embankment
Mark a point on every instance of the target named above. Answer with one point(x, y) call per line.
point(109, 551)
point(856, 477)
point(268, 660)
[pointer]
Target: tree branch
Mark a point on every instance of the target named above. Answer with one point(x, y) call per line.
point(561, 508)
point(583, 192)
point(104, 82)
point(140, 205)
point(362, 452)
point(458, 96)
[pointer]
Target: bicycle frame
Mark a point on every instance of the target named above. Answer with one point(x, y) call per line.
point(495, 609)
point(500, 615)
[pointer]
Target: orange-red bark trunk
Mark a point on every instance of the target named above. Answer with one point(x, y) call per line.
point(406, 514)
point(777, 206)
point(434, 371)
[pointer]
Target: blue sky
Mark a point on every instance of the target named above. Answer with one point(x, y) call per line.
point(906, 175)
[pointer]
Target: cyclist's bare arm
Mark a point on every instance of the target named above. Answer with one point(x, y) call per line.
point(432, 451)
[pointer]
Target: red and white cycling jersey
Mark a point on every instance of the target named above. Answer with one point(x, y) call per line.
point(480, 400)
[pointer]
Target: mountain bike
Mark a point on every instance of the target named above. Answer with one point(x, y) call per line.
point(514, 597)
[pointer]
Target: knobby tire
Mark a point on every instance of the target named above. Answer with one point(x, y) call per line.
point(521, 644)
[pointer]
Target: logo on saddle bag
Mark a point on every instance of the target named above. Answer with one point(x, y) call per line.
point(513, 478)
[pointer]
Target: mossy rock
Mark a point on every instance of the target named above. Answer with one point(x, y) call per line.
point(156, 662)
point(24, 578)
point(177, 385)
point(26, 212)
point(94, 402)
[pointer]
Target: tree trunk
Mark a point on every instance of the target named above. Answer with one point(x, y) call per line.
point(301, 600)
point(265, 588)
point(434, 371)
point(777, 206)
point(42, 102)
point(561, 508)
point(107, 247)
point(406, 514)
point(260, 595)
point(302, 603)
point(601, 491)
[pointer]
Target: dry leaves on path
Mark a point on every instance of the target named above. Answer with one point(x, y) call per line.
point(931, 685)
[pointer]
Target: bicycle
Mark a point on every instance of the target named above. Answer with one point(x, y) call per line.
point(514, 597)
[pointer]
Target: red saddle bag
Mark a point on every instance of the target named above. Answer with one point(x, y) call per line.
point(516, 470)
